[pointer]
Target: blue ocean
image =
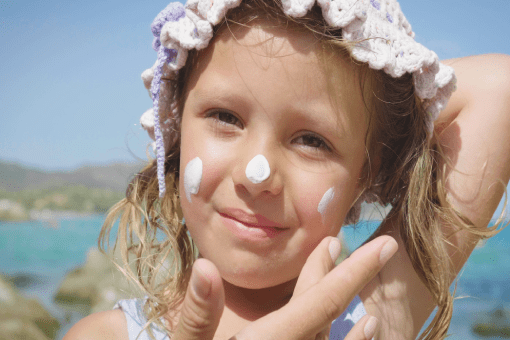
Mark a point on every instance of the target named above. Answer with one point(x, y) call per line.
point(43, 253)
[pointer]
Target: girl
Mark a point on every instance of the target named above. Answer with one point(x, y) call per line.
point(273, 122)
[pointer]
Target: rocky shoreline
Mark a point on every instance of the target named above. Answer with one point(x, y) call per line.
point(11, 211)
point(22, 318)
point(493, 324)
point(95, 286)
point(90, 288)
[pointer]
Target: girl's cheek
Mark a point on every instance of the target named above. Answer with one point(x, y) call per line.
point(324, 202)
point(214, 160)
point(313, 197)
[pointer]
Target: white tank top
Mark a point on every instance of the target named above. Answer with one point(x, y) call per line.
point(133, 310)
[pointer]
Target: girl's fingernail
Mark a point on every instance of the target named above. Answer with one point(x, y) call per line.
point(200, 284)
point(334, 248)
point(389, 249)
point(370, 327)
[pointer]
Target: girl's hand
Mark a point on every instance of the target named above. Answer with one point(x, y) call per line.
point(321, 294)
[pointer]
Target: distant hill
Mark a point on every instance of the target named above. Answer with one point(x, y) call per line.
point(15, 177)
point(28, 193)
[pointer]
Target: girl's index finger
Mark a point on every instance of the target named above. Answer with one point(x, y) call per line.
point(319, 263)
point(338, 288)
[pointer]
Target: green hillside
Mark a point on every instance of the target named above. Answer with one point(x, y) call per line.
point(15, 177)
point(89, 189)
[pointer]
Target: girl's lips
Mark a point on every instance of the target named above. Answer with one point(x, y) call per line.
point(250, 220)
point(250, 232)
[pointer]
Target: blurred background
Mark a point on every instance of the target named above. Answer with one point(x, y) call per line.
point(70, 141)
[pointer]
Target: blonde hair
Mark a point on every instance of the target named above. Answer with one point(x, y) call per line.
point(408, 176)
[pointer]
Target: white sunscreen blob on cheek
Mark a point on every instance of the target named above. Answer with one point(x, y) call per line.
point(326, 199)
point(192, 177)
point(258, 169)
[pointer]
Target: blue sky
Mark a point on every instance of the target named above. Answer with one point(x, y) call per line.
point(70, 88)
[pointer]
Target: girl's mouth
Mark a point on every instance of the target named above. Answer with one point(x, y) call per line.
point(249, 231)
point(250, 220)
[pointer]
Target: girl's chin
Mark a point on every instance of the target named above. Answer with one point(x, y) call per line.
point(251, 271)
point(255, 279)
point(251, 284)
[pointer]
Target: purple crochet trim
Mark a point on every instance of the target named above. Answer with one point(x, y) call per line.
point(376, 4)
point(172, 12)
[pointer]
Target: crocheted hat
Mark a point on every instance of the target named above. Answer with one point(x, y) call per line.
point(382, 35)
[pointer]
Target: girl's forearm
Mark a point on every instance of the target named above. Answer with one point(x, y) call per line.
point(473, 132)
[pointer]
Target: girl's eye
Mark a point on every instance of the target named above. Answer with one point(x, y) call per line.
point(225, 118)
point(313, 141)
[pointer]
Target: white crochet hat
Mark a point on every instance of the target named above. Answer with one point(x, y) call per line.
point(382, 35)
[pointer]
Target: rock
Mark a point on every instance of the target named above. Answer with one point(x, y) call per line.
point(12, 211)
point(20, 329)
point(496, 323)
point(95, 286)
point(22, 318)
point(23, 280)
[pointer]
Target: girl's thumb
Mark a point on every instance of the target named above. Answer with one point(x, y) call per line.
point(203, 304)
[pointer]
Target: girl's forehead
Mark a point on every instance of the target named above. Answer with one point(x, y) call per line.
point(270, 40)
point(279, 68)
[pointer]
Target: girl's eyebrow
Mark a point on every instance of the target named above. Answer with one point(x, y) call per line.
point(207, 98)
point(219, 90)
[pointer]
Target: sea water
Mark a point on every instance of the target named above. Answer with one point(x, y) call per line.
point(38, 254)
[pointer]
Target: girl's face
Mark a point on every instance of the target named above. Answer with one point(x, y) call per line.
point(263, 92)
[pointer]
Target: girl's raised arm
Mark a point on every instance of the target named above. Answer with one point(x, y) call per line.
point(474, 133)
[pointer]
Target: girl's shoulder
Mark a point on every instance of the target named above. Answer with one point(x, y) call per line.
point(125, 322)
point(108, 325)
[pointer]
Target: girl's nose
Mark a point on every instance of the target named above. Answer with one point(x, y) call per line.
point(257, 176)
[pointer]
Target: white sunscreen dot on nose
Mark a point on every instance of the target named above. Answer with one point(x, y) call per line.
point(192, 177)
point(326, 199)
point(258, 169)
